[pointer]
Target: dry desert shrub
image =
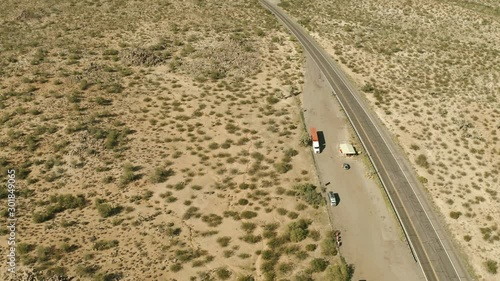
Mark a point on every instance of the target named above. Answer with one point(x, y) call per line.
point(143, 57)
point(218, 59)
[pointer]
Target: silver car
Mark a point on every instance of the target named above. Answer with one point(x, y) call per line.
point(333, 198)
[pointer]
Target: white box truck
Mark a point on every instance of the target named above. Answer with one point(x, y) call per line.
point(315, 140)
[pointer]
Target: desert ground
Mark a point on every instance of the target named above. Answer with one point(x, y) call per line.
point(430, 69)
point(156, 140)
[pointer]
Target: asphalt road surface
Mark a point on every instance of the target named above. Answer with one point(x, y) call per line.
point(430, 244)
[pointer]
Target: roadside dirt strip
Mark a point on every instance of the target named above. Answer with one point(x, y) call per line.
point(438, 258)
point(371, 236)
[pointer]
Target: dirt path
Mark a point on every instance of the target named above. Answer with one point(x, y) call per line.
point(372, 239)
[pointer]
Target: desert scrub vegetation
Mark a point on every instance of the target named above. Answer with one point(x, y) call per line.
point(491, 266)
point(412, 74)
point(309, 194)
point(58, 204)
point(165, 116)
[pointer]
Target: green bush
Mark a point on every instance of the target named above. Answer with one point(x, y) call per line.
point(84, 85)
point(248, 227)
point(32, 142)
point(491, 266)
point(107, 276)
point(270, 230)
point(455, 215)
point(298, 231)
point(67, 201)
point(291, 152)
point(286, 267)
point(303, 277)
point(282, 167)
point(340, 271)
point(311, 247)
point(305, 139)
point(315, 235)
point(246, 278)
point(308, 193)
point(293, 215)
point(40, 217)
point(176, 267)
point(25, 248)
point(60, 203)
point(329, 244)
point(272, 99)
point(212, 220)
point(268, 266)
point(102, 245)
point(282, 211)
point(44, 254)
point(213, 146)
point(422, 161)
point(224, 241)
point(160, 175)
point(107, 210)
point(319, 265)
point(368, 88)
point(103, 101)
point(252, 239)
point(114, 88)
point(57, 271)
point(128, 174)
point(113, 139)
point(277, 241)
point(110, 52)
point(257, 156)
point(243, 201)
point(190, 212)
point(223, 273)
point(87, 270)
point(68, 248)
point(248, 214)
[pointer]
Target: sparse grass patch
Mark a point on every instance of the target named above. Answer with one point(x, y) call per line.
point(422, 161)
point(329, 244)
point(224, 241)
point(160, 175)
point(102, 245)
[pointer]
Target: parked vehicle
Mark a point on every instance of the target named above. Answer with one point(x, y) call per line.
point(315, 140)
point(333, 198)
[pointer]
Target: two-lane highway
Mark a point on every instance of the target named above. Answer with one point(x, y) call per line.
point(431, 247)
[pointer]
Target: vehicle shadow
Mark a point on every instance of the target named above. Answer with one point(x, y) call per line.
point(337, 198)
point(322, 142)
